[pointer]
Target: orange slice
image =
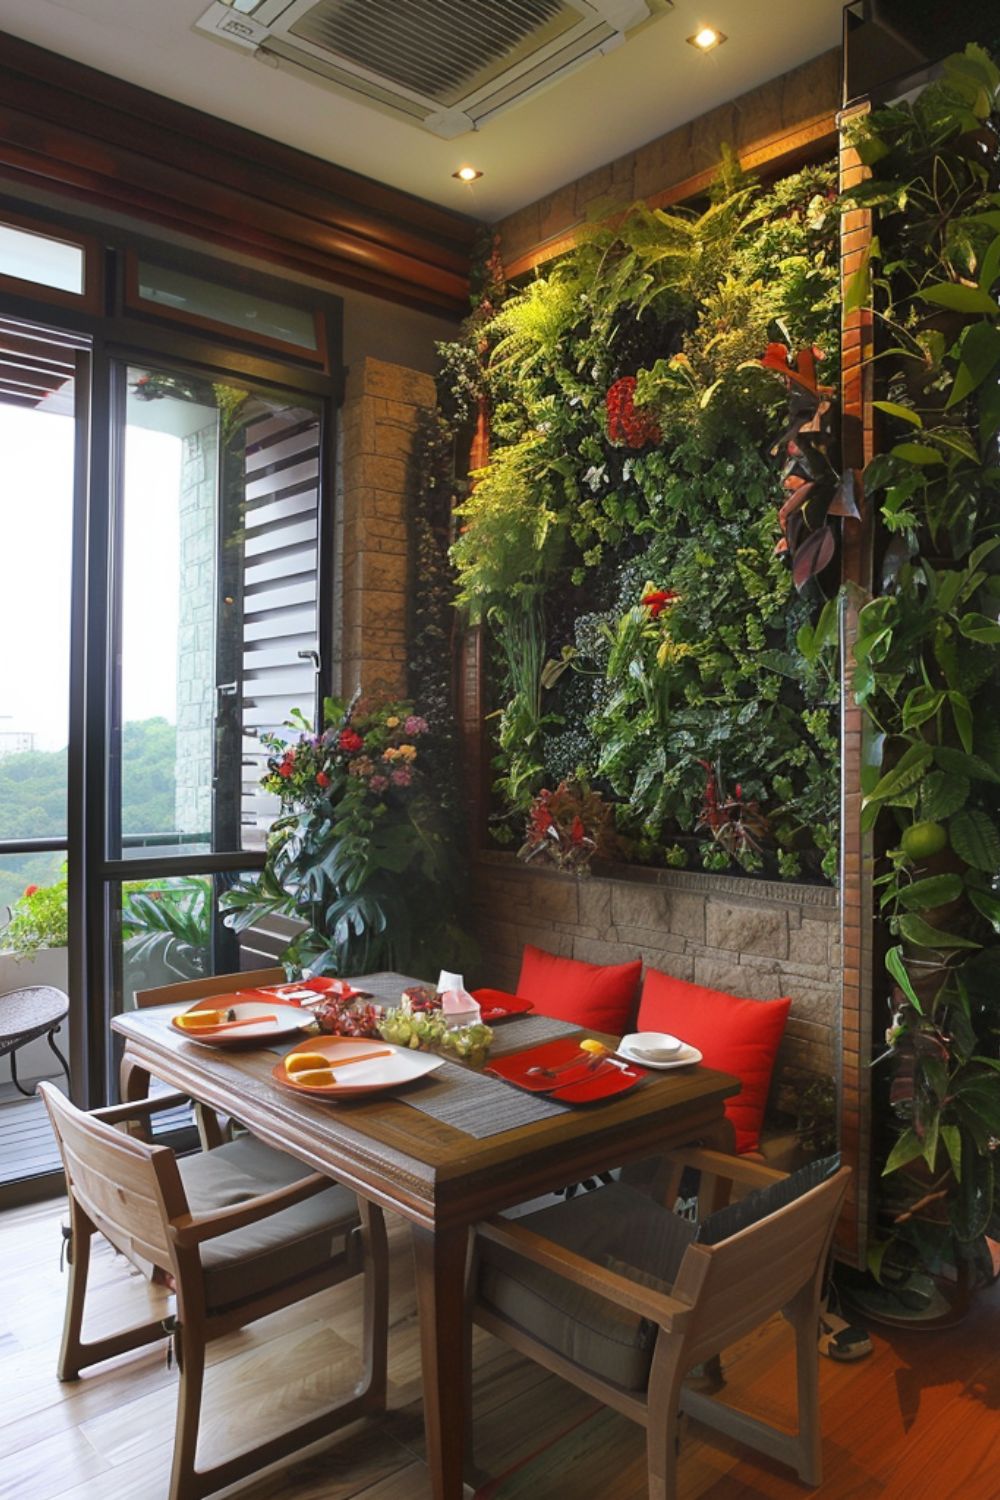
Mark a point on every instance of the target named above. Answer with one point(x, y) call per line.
point(196, 1020)
point(299, 1062)
point(315, 1077)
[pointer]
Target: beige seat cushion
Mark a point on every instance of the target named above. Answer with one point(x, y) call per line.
point(289, 1244)
point(593, 1332)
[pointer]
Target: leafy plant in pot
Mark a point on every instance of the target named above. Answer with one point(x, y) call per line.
point(928, 676)
point(359, 854)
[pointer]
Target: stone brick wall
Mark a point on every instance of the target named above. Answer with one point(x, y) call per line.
point(768, 124)
point(377, 426)
point(753, 938)
point(196, 631)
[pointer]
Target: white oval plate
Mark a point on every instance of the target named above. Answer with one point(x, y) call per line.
point(402, 1065)
point(684, 1057)
point(288, 1019)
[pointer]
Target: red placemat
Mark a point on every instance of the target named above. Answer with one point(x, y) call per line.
point(563, 1077)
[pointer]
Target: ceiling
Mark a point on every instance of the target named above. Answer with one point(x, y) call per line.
point(647, 86)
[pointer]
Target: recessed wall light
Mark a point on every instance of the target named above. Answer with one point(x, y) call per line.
point(467, 174)
point(706, 38)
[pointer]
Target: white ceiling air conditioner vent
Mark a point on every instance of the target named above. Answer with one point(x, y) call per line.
point(448, 65)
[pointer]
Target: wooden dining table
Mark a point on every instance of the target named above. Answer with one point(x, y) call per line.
point(438, 1177)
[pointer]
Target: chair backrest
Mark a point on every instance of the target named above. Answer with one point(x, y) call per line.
point(736, 1284)
point(129, 1190)
point(218, 984)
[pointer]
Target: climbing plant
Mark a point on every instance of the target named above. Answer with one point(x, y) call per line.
point(927, 666)
point(633, 424)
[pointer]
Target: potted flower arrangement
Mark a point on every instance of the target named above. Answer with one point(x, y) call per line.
point(359, 854)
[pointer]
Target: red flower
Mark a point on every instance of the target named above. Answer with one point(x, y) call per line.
point(577, 831)
point(286, 768)
point(657, 600)
point(634, 428)
point(29, 890)
point(350, 740)
point(322, 779)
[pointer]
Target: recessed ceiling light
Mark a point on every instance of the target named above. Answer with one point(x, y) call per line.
point(467, 174)
point(706, 38)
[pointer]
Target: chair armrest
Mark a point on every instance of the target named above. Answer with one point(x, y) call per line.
point(194, 1229)
point(719, 1164)
point(112, 1114)
point(669, 1312)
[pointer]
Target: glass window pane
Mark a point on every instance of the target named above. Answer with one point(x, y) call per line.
point(257, 316)
point(218, 604)
point(36, 507)
point(41, 259)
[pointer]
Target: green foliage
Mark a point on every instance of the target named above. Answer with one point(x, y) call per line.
point(166, 930)
point(38, 919)
point(927, 669)
point(566, 524)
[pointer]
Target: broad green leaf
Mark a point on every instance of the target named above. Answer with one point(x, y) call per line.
point(903, 776)
point(903, 413)
point(980, 354)
point(987, 905)
point(934, 890)
point(931, 1139)
point(959, 298)
point(941, 795)
point(907, 1149)
point(922, 703)
point(917, 453)
point(952, 1138)
point(957, 763)
point(977, 627)
point(990, 268)
point(961, 712)
point(975, 839)
point(896, 966)
point(915, 930)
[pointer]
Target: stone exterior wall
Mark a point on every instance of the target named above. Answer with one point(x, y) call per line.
point(768, 123)
point(753, 938)
point(196, 631)
point(379, 417)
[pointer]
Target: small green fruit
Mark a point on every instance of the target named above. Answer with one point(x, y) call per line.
point(921, 840)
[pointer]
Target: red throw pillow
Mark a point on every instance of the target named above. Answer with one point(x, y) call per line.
point(736, 1036)
point(600, 997)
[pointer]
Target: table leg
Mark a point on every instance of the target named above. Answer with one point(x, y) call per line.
point(133, 1085)
point(440, 1258)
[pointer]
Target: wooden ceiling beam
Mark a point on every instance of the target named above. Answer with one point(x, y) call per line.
point(121, 147)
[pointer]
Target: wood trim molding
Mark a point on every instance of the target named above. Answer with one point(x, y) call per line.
point(98, 139)
point(775, 156)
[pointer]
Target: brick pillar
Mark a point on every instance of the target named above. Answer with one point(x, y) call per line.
point(856, 847)
point(378, 421)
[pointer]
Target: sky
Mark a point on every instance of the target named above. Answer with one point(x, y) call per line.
point(36, 494)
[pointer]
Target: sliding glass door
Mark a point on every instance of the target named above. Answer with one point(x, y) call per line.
point(214, 637)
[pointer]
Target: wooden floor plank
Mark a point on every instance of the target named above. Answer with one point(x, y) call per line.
point(918, 1420)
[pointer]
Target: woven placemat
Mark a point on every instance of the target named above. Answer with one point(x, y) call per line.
point(528, 1031)
point(478, 1105)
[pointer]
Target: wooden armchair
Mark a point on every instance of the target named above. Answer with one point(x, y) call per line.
point(616, 1294)
point(134, 1082)
point(242, 1231)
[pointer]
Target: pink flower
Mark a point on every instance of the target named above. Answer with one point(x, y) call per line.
point(416, 724)
point(379, 783)
point(402, 776)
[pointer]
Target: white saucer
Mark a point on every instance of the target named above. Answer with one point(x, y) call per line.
point(684, 1057)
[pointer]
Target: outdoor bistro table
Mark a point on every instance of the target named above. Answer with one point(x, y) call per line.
point(437, 1176)
point(25, 1014)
